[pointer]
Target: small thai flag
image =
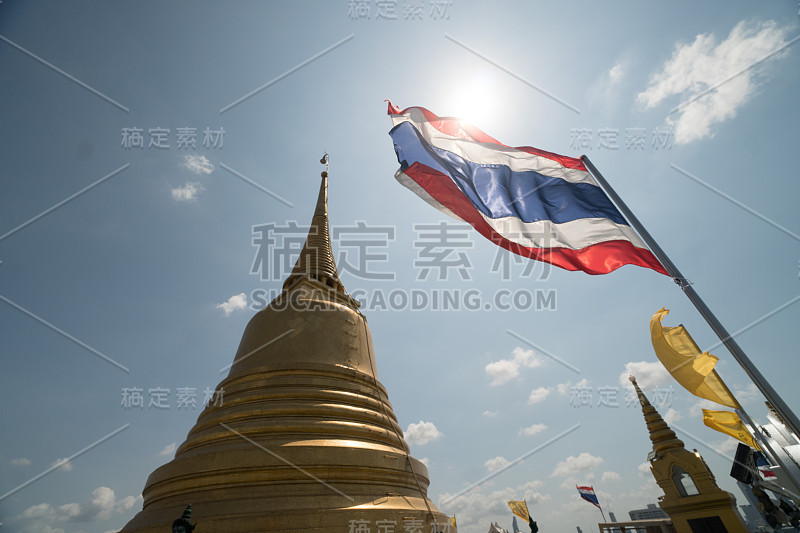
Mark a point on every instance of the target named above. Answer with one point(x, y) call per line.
point(587, 493)
point(763, 466)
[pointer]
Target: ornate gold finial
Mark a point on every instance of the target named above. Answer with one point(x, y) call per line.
point(324, 161)
point(661, 435)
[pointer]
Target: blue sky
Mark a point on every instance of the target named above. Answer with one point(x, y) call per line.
point(137, 267)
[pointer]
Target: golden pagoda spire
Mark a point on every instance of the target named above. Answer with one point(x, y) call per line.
point(692, 498)
point(661, 435)
point(316, 259)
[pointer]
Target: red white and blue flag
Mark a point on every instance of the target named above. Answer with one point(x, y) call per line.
point(587, 493)
point(763, 466)
point(534, 203)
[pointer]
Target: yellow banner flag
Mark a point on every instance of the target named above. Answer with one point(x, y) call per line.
point(453, 521)
point(730, 424)
point(694, 370)
point(520, 509)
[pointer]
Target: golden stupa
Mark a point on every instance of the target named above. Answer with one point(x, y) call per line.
point(305, 438)
point(692, 498)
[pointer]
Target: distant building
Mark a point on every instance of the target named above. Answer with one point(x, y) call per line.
point(651, 512)
point(613, 518)
point(753, 518)
point(649, 520)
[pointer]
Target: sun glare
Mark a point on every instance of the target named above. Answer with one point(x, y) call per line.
point(473, 97)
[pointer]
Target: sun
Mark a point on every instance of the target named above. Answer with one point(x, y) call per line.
point(473, 98)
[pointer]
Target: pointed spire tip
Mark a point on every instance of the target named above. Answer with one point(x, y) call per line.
point(316, 258)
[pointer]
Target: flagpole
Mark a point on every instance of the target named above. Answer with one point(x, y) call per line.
point(770, 453)
point(761, 439)
point(760, 381)
point(755, 430)
point(757, 435)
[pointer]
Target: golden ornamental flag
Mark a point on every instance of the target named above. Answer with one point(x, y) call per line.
point(730, 424)
point(520, 509)
point(692, 369)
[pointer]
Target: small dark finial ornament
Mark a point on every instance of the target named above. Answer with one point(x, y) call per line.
point(182, 524)
point(324, 161)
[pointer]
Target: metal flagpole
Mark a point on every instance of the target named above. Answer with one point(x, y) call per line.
point(755, 430)
point(738, 354)
point(766, 448)
point(770, 453)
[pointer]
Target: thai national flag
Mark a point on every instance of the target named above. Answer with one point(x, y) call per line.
point(587, 493)
point(763, 466)
point(534, 203)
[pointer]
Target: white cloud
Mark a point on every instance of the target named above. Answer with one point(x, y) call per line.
point(648, 374)
point(616, 73)
point(644, 469)
point(609, 476)
point(38, 511)
point(538, 395)
point(748, 394)
point(498, 463)
point(198, 164)
point(234, 303)
point(570, 482)
point(732, 67)
point(564, 388)
point(490, 414)
point(422, 433)
point(39, 527)
point(672, 416)
point(696, 409)
point(127, 503)
point(649, 490)
point(35, 519)
point(476, 507)
point(169, 449)
point(505, 370)
point(188, 193)
point(603, 92)
point(532, 430)
point(572, 464)
point(426, 461)
point(48, 529)
point(101, 506)
point(727, 446)
point(526, 358)
point(62, 464)
point(22, 461)
point(502, 371)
